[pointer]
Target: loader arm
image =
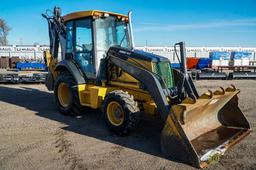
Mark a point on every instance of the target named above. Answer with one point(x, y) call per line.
point(148, 80)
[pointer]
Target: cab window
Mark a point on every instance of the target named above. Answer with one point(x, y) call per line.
point(84, 46)
point(69, 44)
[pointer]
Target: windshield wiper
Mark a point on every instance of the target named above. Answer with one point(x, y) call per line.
point(121, 42)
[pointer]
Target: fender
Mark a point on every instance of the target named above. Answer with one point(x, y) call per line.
point(72, 68)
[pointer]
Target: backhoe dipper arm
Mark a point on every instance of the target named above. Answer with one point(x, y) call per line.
point(57, 32)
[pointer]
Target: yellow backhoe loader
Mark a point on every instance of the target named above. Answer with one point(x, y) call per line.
point(100, 68)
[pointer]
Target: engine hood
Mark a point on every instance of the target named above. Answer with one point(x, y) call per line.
point(126, 53)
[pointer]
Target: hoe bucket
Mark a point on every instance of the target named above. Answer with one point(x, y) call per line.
point(200, 132)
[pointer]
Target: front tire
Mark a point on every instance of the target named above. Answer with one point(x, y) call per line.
point(66, 94)
point(121, 112)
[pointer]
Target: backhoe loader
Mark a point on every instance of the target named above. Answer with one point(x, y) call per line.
point(92, 63)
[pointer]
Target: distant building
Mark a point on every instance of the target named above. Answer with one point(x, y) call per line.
point(24, 52)
point(200, 52)
point(35, 52)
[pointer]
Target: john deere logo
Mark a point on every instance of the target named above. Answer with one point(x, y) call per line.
point(214, 158)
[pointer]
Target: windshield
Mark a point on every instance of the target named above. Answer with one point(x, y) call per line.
point(110, 31)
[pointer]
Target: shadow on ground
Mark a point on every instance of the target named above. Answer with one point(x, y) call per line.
point(146, 138)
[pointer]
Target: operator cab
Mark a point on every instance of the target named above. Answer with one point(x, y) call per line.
point(90, 34)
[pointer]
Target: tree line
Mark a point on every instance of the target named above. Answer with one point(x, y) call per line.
point(4, 31)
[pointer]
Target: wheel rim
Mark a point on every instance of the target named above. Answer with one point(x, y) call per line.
point(63, 94)
point(115, 113)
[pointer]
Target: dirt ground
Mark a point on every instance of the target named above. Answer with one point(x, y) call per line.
point(33, 135)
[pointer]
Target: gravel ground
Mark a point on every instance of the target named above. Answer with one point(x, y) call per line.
point(33, 135)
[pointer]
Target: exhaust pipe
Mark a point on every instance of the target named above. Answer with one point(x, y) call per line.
point(131, 29)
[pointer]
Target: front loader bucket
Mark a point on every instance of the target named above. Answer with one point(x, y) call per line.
point(200, 132)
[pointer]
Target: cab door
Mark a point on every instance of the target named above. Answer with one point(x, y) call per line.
point(80, 45)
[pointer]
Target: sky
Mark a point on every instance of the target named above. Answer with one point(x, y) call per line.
point(155, 22)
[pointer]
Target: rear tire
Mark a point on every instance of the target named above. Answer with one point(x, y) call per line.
point(66, 94)
point(121, 112)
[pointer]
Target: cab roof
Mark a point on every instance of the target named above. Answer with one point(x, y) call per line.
point(81, 14)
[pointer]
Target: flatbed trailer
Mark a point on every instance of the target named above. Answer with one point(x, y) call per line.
point(239, 72)
point(28, 76)
point(237, 68)
point(229, 72)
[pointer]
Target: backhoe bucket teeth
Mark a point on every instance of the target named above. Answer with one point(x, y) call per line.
point(200, 133)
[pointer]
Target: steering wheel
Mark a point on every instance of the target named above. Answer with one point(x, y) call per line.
point(81, 48)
